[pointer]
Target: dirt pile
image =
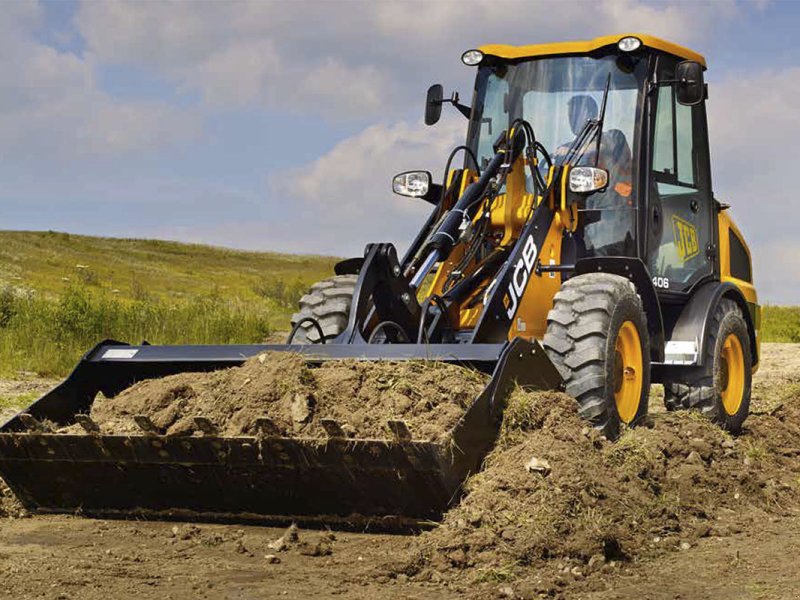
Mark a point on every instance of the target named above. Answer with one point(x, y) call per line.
point(557, 503)
point(10, 507)
point(362, 396)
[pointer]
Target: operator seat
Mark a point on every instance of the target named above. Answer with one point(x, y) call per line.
point(609, 232)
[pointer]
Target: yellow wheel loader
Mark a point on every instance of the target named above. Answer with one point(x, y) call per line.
point(576, 244)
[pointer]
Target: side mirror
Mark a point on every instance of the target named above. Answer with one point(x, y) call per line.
point(433, 104)
point(690, 88)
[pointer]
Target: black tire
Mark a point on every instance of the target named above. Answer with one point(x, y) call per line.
point(704, 391)
point(583, 328)
point(328, 302)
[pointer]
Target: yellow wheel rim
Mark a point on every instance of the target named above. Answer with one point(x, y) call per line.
point(732, 374)
point(628, 367)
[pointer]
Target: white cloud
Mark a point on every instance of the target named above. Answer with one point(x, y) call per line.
point(51, 105)
point(754, 126)
point(348, 58)
point(345, 196)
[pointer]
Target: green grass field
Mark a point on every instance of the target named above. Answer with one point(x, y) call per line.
point(60, 294)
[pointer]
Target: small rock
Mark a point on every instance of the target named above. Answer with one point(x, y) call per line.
point(585, 432)
point(506, 592)
point(174, 530)
point(272, 559)
point(702, 530)
point(458, 557)
point(282, 543)
point(596, 561)
point(242, 549)
point(402, 578)
point(262, 358)
point(576, 571)
point(301, 408)
point(656, 539)
point(323, 547)
point(538, 465)
point(695, 458)
point(685, 545)
point(728, 443)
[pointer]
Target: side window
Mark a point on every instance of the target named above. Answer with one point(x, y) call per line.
point(681, 211)
point(740, 261)
point(673, 153)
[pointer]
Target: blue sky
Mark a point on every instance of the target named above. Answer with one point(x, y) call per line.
point(277, 125)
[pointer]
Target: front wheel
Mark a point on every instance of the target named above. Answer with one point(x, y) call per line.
point(597, 338)
point(327, 304)
point(722, 393)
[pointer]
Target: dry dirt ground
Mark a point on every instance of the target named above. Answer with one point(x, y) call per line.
point(71, 557)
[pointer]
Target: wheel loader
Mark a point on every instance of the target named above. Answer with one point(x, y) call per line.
point(574, 243)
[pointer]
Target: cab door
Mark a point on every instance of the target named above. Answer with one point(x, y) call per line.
point(681, 236)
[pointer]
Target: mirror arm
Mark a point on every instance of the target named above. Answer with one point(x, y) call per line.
point(665, 82)
point(434, 194)
point(454, 100)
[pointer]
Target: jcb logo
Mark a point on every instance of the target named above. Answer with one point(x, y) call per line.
point(685, 238)
point(520, 277)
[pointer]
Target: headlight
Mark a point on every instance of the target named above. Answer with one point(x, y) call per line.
point(584, 180)
point(472, 57)
point(414, 184)
point(629, 44)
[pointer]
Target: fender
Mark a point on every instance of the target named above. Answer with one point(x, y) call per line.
point(349, 266)
point(635, 270)
point(692, 324)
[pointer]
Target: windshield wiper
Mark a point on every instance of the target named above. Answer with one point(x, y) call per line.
point(592, 129)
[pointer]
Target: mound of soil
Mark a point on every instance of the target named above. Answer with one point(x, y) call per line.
point(557, 502)
point(10, 507)
point(430, 397)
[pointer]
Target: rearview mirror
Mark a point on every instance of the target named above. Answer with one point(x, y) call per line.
point(690, 88)
point(433, 104)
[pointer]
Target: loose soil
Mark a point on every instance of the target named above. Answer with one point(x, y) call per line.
point(675, 510)
point(430, 397)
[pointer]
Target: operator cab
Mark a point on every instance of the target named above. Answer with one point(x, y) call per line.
point(657, 206)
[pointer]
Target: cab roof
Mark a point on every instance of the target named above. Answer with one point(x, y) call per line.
point(587, 46)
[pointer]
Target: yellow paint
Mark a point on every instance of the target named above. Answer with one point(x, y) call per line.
point(726, 225)
point(732, 391)
point(587, 46)
point(538, 298)
point(628, 372)
point(685, 234)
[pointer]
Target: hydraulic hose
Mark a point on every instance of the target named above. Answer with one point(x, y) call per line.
point(441, 243)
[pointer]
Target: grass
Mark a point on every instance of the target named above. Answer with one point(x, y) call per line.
point(60, 294)
point(781, 324)
point(17, 402)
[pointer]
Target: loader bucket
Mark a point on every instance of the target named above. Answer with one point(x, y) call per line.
point(398, 481)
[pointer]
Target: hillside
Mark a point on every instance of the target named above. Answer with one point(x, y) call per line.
point(47, 262)
point(62, 293)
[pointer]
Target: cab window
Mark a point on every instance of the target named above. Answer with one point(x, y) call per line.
point(680, 219)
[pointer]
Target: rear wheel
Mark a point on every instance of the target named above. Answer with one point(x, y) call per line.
point(597, 338)
point(327, 303)
point(722, 393)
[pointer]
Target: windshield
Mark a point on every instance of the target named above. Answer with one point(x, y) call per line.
point(557, 96)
